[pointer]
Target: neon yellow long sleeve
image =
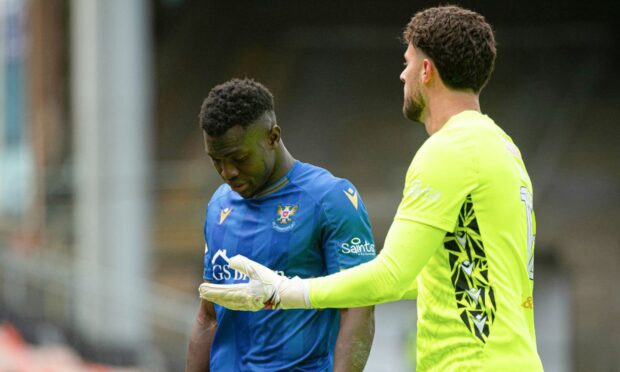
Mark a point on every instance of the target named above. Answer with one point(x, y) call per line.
point(389, 277)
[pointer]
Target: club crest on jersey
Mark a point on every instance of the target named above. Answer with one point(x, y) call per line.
point(284, 218)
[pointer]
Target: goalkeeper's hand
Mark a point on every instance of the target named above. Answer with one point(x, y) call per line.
point(265, 290)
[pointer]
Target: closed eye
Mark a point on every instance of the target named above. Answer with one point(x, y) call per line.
point(240, 158)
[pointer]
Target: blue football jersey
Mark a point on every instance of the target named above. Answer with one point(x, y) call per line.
point(308, 224)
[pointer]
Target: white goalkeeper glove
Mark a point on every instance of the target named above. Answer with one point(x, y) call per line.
point(265, 290)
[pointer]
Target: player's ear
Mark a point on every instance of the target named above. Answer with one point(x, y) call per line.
point(273, 137)
point(427, 70)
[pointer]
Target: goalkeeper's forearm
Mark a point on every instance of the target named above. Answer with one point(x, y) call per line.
point(408, 246)
point(389, 277)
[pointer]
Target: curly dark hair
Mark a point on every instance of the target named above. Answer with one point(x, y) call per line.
point(235, 102)
point(459, 41)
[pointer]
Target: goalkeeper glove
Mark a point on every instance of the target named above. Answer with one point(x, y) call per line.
point(265, 290)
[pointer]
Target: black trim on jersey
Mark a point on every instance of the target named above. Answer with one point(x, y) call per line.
point(475, 298)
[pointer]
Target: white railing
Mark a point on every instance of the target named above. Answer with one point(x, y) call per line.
point(41, 285)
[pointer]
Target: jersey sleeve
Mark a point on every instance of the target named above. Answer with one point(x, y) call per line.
point(208, 269)
point(345, 229)
point(441, 175)
point(389, 277)
point(438, 181)
point(211, 218)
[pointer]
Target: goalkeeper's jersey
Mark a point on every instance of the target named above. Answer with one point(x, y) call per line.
point(307, 224)
point(475, 308)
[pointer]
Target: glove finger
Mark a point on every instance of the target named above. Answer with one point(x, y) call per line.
point(222, 292)
point(253, 269)
point(210, 289)
point(231, 296)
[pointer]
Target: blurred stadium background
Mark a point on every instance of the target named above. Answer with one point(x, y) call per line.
point(103, 179)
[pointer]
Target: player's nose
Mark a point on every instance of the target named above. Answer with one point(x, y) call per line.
point(229, 171)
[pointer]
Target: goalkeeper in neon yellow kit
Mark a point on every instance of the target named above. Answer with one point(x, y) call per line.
point(463, 234)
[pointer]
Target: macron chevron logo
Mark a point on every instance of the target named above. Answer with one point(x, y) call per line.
point(224, 214)
point(468, 267)
point(461, 237)
point(352, 196)
point(474, 293)
point(479, 320)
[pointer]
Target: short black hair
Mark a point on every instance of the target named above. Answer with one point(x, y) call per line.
point(235, 102)
point(459, 41)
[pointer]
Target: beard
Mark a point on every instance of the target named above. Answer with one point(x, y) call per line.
point(413, 107)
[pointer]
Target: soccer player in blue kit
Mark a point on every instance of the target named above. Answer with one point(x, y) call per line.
point(293, 217)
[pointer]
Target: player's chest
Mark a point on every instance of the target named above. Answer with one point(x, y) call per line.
point(279, 216)
point(247, 228)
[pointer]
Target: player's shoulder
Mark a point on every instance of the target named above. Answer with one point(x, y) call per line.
point(223, 192)
point(467, 127)
point(321, 184)
point(458, 138)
